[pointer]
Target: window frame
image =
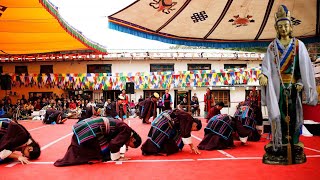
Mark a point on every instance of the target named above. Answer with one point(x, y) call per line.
point(100, 67)
point(203, 65)
point(15, 69)
point(161, 70)
point(44, 68)
point(234, 66)
point(226, 103)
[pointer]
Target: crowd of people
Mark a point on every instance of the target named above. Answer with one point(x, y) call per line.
point(23, 108)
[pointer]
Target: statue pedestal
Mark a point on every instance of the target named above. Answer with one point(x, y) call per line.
point(279, 157)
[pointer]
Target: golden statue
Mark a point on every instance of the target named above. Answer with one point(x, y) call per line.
point(286, 71)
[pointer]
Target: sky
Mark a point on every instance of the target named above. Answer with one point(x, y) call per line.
point(91, 18)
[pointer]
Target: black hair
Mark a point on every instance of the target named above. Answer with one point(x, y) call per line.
point(89, 112)
point(220, 104)
point(199, 124)
point(35, 153)
point(63, 116)
point(137, 138)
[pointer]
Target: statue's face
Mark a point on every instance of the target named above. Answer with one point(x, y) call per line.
point(283, 28)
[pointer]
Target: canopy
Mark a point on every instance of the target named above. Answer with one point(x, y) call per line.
point(35, 26)
point(216, 23)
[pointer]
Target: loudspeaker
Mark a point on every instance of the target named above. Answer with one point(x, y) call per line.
point(5, 82)
point(130, 88)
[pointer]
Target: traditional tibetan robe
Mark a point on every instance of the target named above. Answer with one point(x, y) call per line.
point(246, 115)
point(51, 116)
point(167, 101)
point(218, 132)
point(96, 139)
point(169, 132)
point(208, 101)
point(148, 110)
point(212, 112)
point(285, 67)
point(12, 136)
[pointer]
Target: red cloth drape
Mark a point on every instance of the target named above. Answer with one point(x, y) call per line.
point(311, 112)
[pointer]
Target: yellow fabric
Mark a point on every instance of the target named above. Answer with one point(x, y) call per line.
point(27, 27)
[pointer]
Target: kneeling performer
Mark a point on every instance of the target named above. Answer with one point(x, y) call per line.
point(15, 137)
point(218, 133)
point(169, 132)
point(99, 139)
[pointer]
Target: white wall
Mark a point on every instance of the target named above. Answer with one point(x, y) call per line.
point(179, 65)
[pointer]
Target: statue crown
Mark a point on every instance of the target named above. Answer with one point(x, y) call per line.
point(283, 14)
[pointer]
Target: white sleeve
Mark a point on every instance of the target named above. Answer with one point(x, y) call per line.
point(115, 156)
point(5, 153)
point(123, 150)
point(187, 140)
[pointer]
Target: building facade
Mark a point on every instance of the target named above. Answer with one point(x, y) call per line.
point(135, 62)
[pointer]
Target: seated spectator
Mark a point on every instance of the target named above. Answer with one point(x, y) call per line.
point(100, 103)
point(195, 106)
point(184, 105)
point(72, 105)
point(37, 106)
point(82, 104)
point(132, 104)
point(91, 103)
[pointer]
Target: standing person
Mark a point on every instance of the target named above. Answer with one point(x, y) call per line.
point(218, 133)
point(286, 70)
point(160, 105)
point(140, 99)
point(121, 108)
point(167, 101)
point(14, 137)
point(125, 101)
point(215, 110)
point(139, 107)
point(169, 132)
point(208, 102)
point(149, 108)
point(99, 139)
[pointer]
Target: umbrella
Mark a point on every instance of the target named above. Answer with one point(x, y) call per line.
point(35, 26)
point(216, 23)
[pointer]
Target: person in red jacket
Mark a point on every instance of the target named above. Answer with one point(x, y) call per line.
point(208, 102)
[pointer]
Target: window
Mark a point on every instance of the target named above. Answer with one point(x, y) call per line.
point(46, 69)
point(199, 67)
point(21, 69)
point(161, 67)
point(99, 68)
point(232, 66)
point(41, 94)
point(222, 95)
point(149, 93)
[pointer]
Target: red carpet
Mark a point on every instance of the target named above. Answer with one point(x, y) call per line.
point(54, 139)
